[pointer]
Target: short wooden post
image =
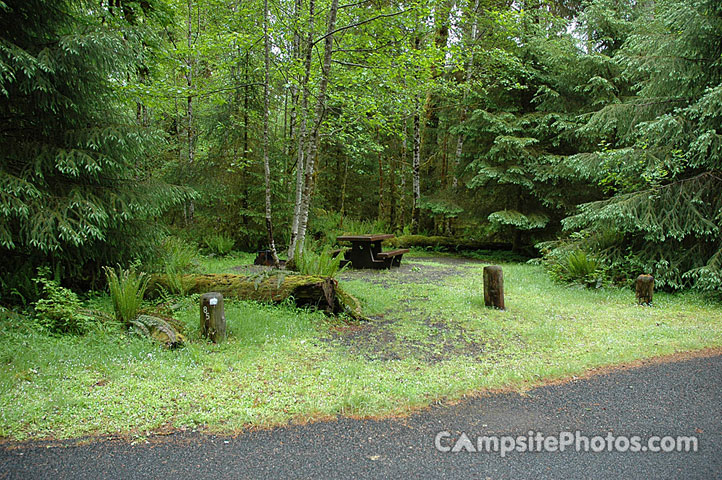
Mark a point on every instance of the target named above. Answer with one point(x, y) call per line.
point(645, 289)
point(494, 287)
point(213, 317)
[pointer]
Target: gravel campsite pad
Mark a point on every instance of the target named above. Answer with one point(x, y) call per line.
point(415, 327)
point(421, 270)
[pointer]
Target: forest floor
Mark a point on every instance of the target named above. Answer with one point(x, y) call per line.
point(429, 338)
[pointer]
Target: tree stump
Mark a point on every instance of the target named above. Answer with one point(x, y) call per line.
point(213, 318)
point(494, 287)
point(645, 289)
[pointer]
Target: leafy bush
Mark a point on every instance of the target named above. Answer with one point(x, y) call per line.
point(176, 283)
point(323, 264)
point(219, 244)
point(574, 265)
point(60, 310)
point(177, 255)
point(127, 288)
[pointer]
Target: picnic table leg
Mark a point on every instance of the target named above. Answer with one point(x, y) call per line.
point(360, 255)
point(397, 260)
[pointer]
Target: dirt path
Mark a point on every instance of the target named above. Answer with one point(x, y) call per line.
point(409, 329)
point(419, 270)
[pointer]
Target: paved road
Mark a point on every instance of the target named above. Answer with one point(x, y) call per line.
point(681, 398)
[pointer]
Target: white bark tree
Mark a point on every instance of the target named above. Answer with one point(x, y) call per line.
point(415, 168)
point(302, 132)
point(314, 135)
point(471, 39)
point(266, 108)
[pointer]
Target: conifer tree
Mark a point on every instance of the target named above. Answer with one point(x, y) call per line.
point(74, 191)
point(523, 125)
point(661, 151)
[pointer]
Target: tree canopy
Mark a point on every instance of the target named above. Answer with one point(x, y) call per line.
point(594, 125)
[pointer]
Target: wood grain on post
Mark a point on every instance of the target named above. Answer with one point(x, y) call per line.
point(645, 289)
point(494, 287)
point(213, 318)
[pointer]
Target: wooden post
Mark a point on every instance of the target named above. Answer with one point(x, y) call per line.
point(213, 318)
point(645, 289)
point(494, 287)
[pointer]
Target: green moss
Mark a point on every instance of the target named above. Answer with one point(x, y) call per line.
point(321, 292)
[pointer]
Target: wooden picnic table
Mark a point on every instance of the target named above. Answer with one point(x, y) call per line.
point(366, 251)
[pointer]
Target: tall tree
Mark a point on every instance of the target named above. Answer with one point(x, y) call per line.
point(661, 152)
point(315, 133)
point(190, 66)
point(266, 140)
point(74, 193)
point(302, 133)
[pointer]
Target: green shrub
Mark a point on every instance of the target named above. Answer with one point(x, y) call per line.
point(127, 288)
point(176, 284)
point(503, 256)
point(177, 254)
point(325, 226)
point(580, 266)
point(60, 310)
point(219, 244)
point(323, 264)
point(574, 266)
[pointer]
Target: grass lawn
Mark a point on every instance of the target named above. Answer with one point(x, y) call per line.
point(430, 338)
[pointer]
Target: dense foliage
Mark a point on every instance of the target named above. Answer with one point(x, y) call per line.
point(661, 152)
point(475, 119)
point(75, 192)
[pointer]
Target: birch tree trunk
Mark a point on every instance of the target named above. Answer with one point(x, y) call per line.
point(467, 77)
point(381, 175)
point(266, 107)
point(416, 180)
point(404, 162)
point(343, 189)
point(313, 141)
point(302, 134)
point(392, 191)
point(190, 207)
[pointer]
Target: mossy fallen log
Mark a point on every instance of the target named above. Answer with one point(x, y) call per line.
point(323, 293)
point(448, 243)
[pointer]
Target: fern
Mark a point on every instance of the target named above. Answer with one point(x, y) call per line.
point(219, 244)
point(176, 282)
point(126, 291)
point(324, 264)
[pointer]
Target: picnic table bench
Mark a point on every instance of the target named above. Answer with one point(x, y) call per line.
point(366, 251)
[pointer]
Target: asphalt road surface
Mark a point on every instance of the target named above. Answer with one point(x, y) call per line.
point(668, 399)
